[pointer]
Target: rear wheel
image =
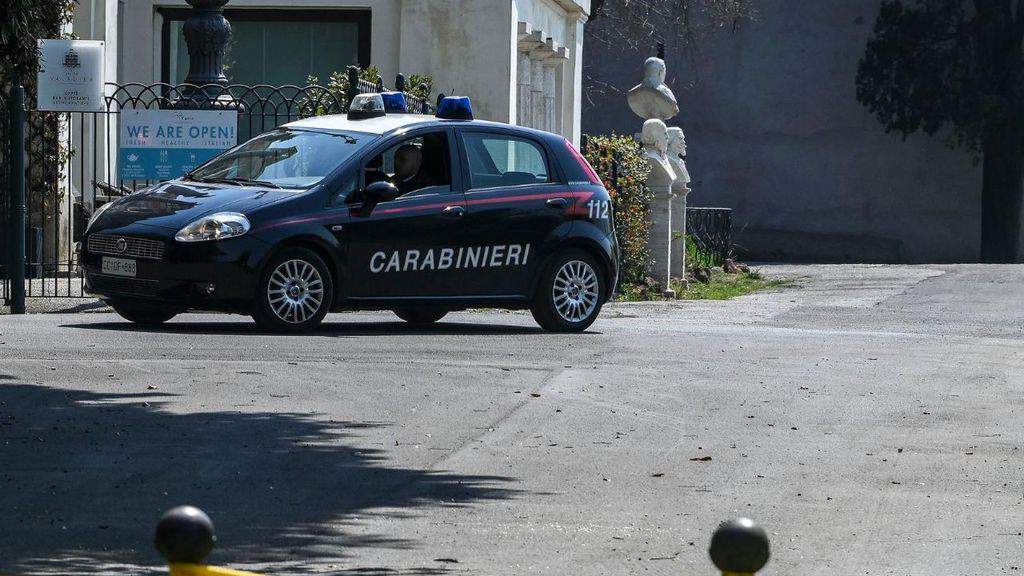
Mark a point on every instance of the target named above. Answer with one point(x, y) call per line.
point(142, 316)
point(421, 315)
point(295, 292)
point(570, 294)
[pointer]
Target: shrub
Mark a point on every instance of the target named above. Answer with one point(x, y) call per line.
point(619, 163)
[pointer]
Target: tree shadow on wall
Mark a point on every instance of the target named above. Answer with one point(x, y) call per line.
point(84, 477)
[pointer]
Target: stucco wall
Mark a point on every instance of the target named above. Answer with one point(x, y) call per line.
point(468, 47)
point(775, 132)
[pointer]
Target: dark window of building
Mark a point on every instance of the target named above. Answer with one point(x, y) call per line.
point(276, 47)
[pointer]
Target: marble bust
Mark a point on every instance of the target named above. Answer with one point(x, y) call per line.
point(654, 139)
point(652, 98)
point(677, 157)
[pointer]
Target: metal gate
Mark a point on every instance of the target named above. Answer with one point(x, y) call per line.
point(71, 162)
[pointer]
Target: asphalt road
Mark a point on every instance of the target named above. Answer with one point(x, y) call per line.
point(870, 418)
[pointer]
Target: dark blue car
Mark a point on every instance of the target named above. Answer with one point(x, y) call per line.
point(417, 214)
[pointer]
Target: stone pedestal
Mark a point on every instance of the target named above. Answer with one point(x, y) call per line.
point(659, 239)
point(678, 249)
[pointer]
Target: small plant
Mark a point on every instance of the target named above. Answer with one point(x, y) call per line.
point(697, 257)
point(418, 85)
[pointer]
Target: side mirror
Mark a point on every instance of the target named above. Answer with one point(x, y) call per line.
point(378, 192)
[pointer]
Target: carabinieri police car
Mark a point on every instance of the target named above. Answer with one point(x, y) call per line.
point(376, 209)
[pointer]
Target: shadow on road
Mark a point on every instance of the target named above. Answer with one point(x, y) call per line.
point(337, 329)
point(84, 477)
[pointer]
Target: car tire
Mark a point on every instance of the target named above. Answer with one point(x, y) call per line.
point(421, 316)
point(295, 292)
point(143, 316)
point(570, 292)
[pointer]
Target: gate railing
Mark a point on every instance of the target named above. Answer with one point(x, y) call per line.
point(72, 161)
point(711, 231)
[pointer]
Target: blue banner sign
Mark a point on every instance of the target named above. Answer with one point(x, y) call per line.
point(164, 144)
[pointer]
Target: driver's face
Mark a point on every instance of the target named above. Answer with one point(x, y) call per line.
point(407, 163)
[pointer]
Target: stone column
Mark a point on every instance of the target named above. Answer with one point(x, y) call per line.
point(680, 188)
point(550, 69)
point(523, 90)
point(659, 237)
point(678, 254)
point(536, 89)
point(654, 138)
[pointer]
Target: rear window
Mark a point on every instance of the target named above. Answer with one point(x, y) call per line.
point(499, 160)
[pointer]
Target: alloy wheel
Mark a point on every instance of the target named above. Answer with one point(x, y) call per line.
point(575, 291)
point(295, 291)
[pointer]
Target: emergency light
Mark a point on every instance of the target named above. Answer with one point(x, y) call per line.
point(366, 106)
point(394, 103)
point(455, 108)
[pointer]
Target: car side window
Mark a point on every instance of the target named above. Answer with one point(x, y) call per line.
point(416, 166)
point(500, 160)
point(345, 191)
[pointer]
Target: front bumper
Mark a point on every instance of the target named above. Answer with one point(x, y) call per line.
point(182, 275)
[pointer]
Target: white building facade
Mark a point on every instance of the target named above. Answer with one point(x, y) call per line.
point(519, 60)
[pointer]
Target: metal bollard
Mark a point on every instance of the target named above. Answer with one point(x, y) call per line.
point(185, 537)
point(739, 547)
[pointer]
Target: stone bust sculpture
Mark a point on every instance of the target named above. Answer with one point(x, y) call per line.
point(652, 98)
point(677, 157)
point(654, 138)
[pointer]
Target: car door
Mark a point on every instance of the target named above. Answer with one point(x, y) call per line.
point(406, 247)
point(516, 206)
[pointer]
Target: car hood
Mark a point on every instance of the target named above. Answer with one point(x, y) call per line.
point(177, 203)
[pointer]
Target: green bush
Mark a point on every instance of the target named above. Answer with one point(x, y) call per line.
point(630, 201)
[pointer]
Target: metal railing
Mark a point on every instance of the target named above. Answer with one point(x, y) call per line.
point(711, 231)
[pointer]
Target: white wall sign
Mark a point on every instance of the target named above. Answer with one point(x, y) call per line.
point(71, 75)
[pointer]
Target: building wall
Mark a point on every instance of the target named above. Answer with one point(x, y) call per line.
point(466, 45)
point(775, 132)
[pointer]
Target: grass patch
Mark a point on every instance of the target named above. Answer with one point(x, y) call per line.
point(724, 286)
point(721, 286)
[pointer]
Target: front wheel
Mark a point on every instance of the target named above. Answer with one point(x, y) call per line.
point(570, 293)
point(142, 316)
point(295, 292)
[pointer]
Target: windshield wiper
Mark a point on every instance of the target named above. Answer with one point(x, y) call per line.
point(235, 181)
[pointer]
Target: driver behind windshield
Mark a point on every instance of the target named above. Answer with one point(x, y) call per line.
point(408, 174)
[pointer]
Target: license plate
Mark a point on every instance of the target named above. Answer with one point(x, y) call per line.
point(118, 266)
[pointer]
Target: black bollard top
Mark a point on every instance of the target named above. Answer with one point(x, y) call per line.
point(739, 547)
point(185, 535)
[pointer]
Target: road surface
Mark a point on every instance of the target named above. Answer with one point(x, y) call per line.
point(870, 418)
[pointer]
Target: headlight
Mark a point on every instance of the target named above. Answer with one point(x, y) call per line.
point(218, 226)
point(96, 214)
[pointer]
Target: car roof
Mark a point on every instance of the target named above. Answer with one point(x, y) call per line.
point(390, 123)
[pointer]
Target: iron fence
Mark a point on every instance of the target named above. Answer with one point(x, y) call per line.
point(72, 161)
point(711, 231)
point(5, 156)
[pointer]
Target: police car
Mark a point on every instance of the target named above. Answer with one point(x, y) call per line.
point(376, 210)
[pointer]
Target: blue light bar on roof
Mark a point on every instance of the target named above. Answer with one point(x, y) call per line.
point(455, 108)
point(394, 103)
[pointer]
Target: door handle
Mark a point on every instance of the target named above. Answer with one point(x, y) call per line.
point(557, 203)
point(454, 211)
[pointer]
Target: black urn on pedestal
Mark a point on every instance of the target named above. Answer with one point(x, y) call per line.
point(206, 33)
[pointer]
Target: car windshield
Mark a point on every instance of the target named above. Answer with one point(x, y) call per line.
point(283, 158)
